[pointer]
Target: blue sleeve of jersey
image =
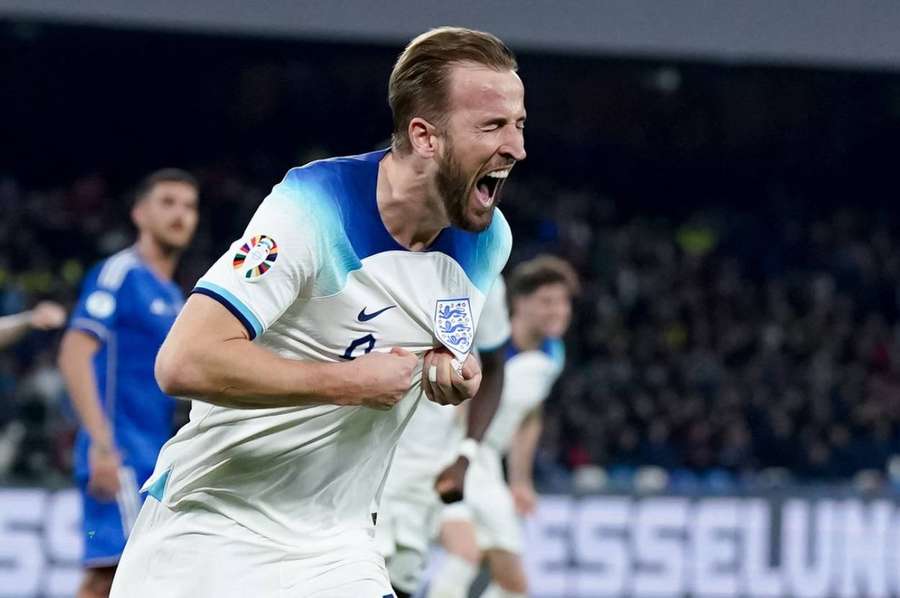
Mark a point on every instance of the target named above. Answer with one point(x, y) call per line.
point(97, 307)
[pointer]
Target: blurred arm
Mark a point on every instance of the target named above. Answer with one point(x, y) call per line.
point(75, 362)
point(521, 458)
point(484, 405)
point(450, 483)
point(14, 327)
point(46, 315)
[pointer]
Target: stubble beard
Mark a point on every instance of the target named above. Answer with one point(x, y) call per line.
point(455, 189)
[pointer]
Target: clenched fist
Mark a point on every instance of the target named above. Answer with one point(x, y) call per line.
point(445, 384)
point(379, 380)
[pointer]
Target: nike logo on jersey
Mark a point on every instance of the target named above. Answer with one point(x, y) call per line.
point(364, 317)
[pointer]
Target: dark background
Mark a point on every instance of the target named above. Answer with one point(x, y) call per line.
point(734, 225)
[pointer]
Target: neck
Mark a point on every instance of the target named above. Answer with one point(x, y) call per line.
point(162, 260)
point(408, 204)
point(524, 337)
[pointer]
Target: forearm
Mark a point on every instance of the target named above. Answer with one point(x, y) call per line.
point(484, 405)
point(524, 446)
point(208, 356)
point(14, 327)
point(239, 374)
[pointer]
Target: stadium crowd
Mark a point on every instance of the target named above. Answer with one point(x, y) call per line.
point(703, 347)
point(740, 302)
point(700, 345)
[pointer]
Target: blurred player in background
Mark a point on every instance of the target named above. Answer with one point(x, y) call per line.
point(355, 291)
point(540, 296)
point(127, 305)
point(432, 457)
point(46, 315)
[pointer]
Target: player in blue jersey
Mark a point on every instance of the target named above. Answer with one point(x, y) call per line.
point(127, 305)
point(354, 293)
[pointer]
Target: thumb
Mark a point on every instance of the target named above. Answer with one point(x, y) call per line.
point(468, 370)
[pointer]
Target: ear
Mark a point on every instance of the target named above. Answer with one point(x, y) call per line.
point(137, 213)
point(421, 137)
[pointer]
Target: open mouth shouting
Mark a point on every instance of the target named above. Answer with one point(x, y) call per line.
point(487, 188)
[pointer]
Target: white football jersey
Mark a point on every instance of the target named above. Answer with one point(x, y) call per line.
point(528, 378)
point(318, 277)
point(494, 328)
point(431, 439)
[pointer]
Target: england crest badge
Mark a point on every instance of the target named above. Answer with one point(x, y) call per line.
point(453, 325)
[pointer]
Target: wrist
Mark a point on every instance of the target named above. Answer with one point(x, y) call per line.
point(333, 382)
point(468, 449)
point(103, 446)
point(348, 384)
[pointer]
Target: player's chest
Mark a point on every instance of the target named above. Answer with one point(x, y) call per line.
point(154, 307)
point(411, 301)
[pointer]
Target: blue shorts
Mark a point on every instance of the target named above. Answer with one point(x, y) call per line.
point(106, 524)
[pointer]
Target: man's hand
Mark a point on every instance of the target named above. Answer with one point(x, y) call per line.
point(524, 497)
point(441, 381)
point(104, 463)
point(450, 484)
point(382, 379)
point(47, 315)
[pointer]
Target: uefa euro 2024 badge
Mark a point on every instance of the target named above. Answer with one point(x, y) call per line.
point(453, 325)
point(255, 257)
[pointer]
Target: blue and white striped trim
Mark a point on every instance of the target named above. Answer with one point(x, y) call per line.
point(112, 357)
point(233, 304)
point(116, 268)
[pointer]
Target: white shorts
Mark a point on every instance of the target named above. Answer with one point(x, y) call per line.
point(406, 525)
point(197, 553)
point(488, 504)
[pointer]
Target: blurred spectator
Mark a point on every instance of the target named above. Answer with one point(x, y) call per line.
point(696, 361)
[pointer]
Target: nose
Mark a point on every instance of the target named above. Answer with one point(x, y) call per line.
point(514, 145)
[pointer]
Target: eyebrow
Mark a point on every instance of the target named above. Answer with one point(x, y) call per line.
point(500, 120)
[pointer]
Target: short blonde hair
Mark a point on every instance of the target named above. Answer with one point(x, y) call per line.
point(418, 83)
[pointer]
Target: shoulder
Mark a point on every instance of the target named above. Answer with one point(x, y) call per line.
point(322, 206)
point(101, 292)
point(334, 169)
point(306, 194)
point(555, 349)
point(325, 190)
point(111, 274)
point(497, 239)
